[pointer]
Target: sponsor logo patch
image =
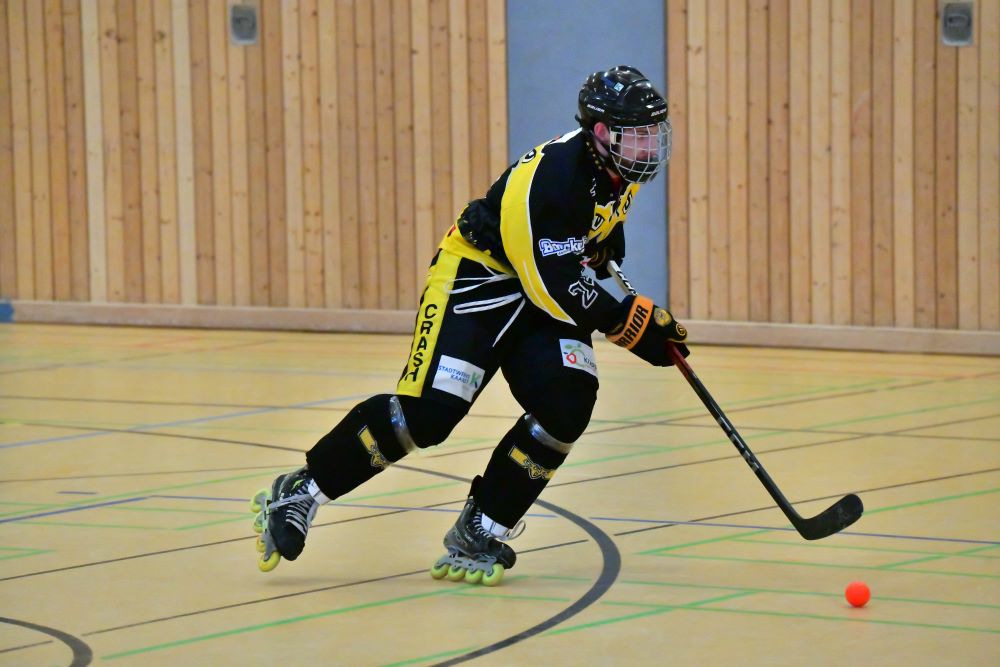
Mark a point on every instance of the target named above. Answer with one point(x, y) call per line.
point(535, 471)
point(369, 443)
point(458, 377)
point(578, 355)
point(560, 248)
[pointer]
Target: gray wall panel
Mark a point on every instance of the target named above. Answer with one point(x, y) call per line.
point(551, 48)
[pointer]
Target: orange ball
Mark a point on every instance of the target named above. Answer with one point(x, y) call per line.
point(857, 593)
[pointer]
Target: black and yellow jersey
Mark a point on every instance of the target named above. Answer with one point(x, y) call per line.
point(547, 212)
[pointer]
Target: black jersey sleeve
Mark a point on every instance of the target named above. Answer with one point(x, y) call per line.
point(544, 223)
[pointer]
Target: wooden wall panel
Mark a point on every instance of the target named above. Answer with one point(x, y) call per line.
point(822, 172)
point(183, 116)
point(41, 201)
point(842, 270)
point(384, 206)
point(757, 132)
point(989, 167)
point(131, 186)
point(871, 158)
point(777, 173)
point(8, 224)
point(76, 151)
point(945, 184)
point(677, 211)
point(330, 180)
point(239, 106)
point(718, 166)
point(165, 161)
point(882, 85)
point(697, 161)
point(57, 160)
point(403, 159)
point(148, 154)
point(903, 167)
point(799, 228)
point(738, 254)
point(217, 113)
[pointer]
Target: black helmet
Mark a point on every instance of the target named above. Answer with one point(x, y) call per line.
point(624, 99)
point(621, 96)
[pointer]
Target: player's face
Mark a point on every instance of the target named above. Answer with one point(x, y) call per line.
point(640, 151)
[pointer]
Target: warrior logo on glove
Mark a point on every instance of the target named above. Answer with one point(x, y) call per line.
point(648, 342)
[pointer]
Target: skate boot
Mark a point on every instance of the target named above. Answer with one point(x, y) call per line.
point(474, 553)
point(284, 514)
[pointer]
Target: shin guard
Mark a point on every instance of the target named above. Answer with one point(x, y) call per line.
point(362, 445)
point(521, 466)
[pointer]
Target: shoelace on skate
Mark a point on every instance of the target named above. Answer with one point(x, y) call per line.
point(298, 515)
point(511, 534)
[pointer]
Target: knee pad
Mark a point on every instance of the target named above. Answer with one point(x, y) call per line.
point(563, 414)
point(423, 422)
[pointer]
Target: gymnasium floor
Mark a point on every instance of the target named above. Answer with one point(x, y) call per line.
point(127, 456)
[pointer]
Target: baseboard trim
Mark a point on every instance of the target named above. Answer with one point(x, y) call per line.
point(752, 334)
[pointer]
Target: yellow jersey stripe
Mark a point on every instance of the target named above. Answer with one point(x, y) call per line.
point(515, 229)
point(431, 312)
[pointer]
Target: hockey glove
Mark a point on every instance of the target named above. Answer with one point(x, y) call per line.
point(613, 248)
point(648, 330)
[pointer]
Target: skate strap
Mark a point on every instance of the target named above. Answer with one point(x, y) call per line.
point(513, 533)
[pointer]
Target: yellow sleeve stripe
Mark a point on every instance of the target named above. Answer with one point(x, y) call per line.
point(518, 243)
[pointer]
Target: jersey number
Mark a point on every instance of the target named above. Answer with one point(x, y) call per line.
point(584, 288)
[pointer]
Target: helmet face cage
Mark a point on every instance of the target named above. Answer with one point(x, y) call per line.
point(639, 151)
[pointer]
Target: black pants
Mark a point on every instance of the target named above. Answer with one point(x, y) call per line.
point(458, 348)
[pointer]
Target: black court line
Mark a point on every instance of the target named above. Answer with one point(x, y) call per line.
point(73, 478)
point(611, 564)
point(82, 654)
point(183, 404)
point(138, 357)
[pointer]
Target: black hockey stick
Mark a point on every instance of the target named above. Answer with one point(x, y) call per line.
point(835, 518)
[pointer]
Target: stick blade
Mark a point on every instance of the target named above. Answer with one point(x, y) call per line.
point(833, 519)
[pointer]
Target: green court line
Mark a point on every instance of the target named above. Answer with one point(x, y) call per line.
point(425, 658)
point(130, 508)
point(768, 434)
point(272, 624)
point(484, 592)
point(77, 524)
point(27, 552)
point(928, 501)
point(412, 489)
point(785, 591)
point(838, 566)
point(936, 408)
point(769, 397)
point(723, 538)
point(245, 517)
point(659, 609)
point(847, 619)
point(172, 487)
point(967, 553)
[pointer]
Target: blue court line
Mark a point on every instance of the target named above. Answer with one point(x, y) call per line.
point(73, 509)
point(182, 422)
point(665, 522)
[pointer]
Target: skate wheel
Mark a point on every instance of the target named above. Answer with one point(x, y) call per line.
point(493, 577)
point(260, 544)
point(456, 573)
point(474, 576)
point(438, 571)
point(268, 564)
point(258, 523)
point(259, 500)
